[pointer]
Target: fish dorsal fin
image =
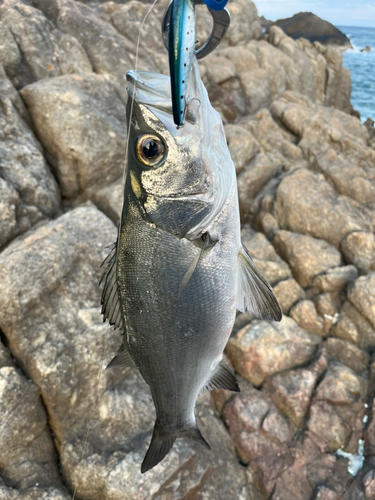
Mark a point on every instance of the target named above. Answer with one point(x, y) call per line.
point(254, 293)
point(223, 378)
point(111, 307)
point(122, 358)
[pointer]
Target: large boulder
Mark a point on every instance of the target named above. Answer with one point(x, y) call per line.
point(313, 28)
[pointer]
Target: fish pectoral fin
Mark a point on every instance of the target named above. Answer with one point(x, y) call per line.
point(111, 307)
point(254, 293)
point(122, 358)
point(209, 241)
point(222, 378)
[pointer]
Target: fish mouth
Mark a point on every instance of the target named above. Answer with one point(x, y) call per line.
point(153, 90)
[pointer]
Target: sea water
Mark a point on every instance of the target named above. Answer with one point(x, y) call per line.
point(362, 69)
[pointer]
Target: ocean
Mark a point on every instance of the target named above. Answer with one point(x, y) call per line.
point(362, 69)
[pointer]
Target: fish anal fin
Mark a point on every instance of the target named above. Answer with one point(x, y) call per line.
point(254, 293)
point(122, 358)
point(111, 307)
point(223, 378)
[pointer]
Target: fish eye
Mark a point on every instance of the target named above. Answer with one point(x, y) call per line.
point(150, 149)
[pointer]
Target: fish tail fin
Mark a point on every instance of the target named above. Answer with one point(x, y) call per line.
point(195, 434)
point(162, 442)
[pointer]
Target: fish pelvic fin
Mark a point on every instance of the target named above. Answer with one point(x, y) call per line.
point(254, 293)
point(111, 306)
point(122, 358)
point(162, 442)
point(222, 378)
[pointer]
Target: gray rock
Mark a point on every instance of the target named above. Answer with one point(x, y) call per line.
point(313, 28)
point(35, 493)
point(80, 121)
point(354, 326)
point(110, 53)
point(33, 47)
point(27, 453)
point(28, 190)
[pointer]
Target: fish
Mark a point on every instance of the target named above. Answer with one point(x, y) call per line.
point(178, 271)
point(181, 52)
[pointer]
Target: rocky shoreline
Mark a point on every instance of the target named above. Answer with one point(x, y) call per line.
point(306, 179)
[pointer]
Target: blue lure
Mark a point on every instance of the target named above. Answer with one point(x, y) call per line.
point(178, 30)
point(216, 4)
point(181, 52)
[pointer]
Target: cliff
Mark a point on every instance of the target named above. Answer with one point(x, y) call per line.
point(306, 180)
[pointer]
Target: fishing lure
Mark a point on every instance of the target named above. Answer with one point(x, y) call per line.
point(178, 32)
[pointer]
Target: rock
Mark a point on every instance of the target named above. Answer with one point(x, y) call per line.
point(81, 123)
point(288, 292)
point(348, 354)
point(362, 296)
point(110, 54)
point(251, 181)
point(35, 493)
point(278, 147)
point(366, 49)
point(297, 197)
point(242, 146)
point(109, 200)
point(292, 390)
point(305, 315)
point(359, 249)
point(28, 191)
point(27, 454)
point(313, 28)
point(370, 433)
point(353, 326)
point(260, 433)
point(34, 49)
point(335, 279)
point(256, 87)
point(307, 256)
point(338, 408)
point(262, 349)
point(266, 259)
point(218, 69)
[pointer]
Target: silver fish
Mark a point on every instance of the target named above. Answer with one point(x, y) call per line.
point(178, 270)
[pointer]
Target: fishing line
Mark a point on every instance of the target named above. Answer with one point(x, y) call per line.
point(132, 101)
point(118, 239)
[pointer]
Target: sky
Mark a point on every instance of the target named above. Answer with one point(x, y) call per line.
point(337, 12)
